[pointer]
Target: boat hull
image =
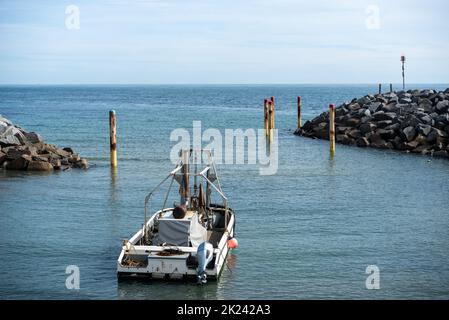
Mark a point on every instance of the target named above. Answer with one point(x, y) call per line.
point(150, 262)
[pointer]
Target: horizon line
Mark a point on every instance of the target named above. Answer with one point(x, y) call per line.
point(220, 83)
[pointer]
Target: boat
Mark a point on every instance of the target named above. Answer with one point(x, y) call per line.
point(190, 239)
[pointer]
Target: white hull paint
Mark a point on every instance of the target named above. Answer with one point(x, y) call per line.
point(175, 266)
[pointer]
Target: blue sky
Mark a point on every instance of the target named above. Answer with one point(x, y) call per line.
point(227, 41)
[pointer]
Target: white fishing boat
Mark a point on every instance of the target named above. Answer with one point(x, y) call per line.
point(187, 240)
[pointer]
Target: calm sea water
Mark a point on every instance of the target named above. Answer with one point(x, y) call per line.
point(309, 231)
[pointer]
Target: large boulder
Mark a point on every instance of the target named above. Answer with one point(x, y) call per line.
point(424, 129)
point(367, 127)
point(380, 115)
point(409, 133)
point(33, 137)
point(39, 166)
point(435, 134)
point(442, 106)
point(20, 163)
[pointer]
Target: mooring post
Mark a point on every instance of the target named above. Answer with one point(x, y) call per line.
point(270, 120)
point(391, 87)
point(332, 129)
point(272, 113)
point(380, 88)
point(299, 112)
point(113, 138)
point(265, 108)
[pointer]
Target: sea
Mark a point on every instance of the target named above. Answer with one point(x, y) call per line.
point(364, 224)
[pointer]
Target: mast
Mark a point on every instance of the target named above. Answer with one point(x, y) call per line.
point(184, 190)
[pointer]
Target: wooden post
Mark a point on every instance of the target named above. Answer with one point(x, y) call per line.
point(270, 120)
point(299, 112)
point(391, 87)
point(380, 88)
point(265, 108)
point(113, 138)
point(332, 129)
point(184, 188)
point(272, 113)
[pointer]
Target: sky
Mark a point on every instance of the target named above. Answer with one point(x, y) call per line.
point(226, 41)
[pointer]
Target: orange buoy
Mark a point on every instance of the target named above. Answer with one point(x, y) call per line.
point(232, 243)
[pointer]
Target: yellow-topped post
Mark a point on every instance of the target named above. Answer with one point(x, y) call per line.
point(265, 109)
point(299, 112)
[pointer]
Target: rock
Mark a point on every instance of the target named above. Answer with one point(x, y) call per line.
point(409, 133)
point(391, 107)
point(67, 149)
point(422, 149)
point(20, 149)
point(75, 158)
point(405, 100)
point(39, 166)
point(342, 130)
point(411, 145)
point(443, 119)
point(367, 127)
point(344, 139)
point(364, 100)
point(410, 121)
point(434, 134)
point(380, 115)
point(9, 140)
point(394, 127)
point(352, 122)
point(374, 107)
point(56, 163)
point(83, 164)
point(421, 139)
point(355, 134)
point(442, 106)
point(362, 142)
point(65, 162)
point(380, 144)
point(415, 121)
point(424, 129)
point(398, 143)
point(426, 119)
point(62, 153)
point(2, 158)
point(354, 106)
point(17, 164)
point(386, 134)
point(384, 123)
point(33, 137)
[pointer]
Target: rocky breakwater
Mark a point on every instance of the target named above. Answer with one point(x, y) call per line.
point(414, 121)
point(22, 150)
